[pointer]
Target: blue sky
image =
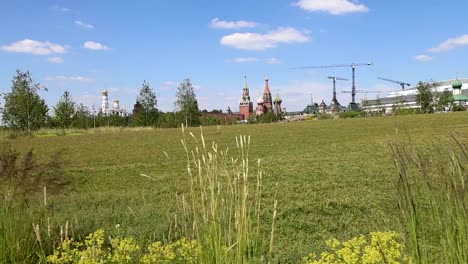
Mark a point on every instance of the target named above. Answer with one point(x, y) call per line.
point(87, 46)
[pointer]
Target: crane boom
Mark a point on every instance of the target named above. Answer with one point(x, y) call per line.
point(337, 78)
point(363, 91)
point(334, 66)
point(402, 84)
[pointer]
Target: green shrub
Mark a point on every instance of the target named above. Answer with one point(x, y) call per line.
point(350, 114)
point(325, 116)
point(20, 178)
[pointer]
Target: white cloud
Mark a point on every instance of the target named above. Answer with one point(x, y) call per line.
point(83, 24)
point(94, 46)
point(273, 61)
point(90, 99)
point(334, 7)
point(254, 41)
point(34, 47)
point(422, 57)
point(115, 92)
point(216, 23)
point(168, 85)
point(451, 43)
point(62, 78)
point(59, 8)
point(245, 60)
point(55, 60)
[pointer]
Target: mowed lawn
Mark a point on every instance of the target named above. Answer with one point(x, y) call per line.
point(335, 178)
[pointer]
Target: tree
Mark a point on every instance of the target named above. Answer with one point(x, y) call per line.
point(148, 101)
point(425, 96)
point(445, 101)
point(83, 118)
point(65, 110)
point(188, 104)
point(24, 109)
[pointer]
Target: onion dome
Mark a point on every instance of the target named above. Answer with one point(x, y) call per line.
point(457, 84)
point(260, 100)
point(278, 99)
point(104, 92)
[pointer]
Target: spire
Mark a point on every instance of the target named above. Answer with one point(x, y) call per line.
point(246, 86)
point(267, 87)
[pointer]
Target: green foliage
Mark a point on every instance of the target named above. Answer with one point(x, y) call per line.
point(425, 96)
point(325, 116)
point(83, 118)
point(350, 114)
point(432, 189)
point(382, 247)
point(119, 250)
point(269, 117)
point(445, 101)
point(210, 121)
point(65, 110)
point(458, 108)
point(24, 109)
point(187, 104)
point(149, 114)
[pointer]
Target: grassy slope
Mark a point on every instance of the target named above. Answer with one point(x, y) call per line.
point(334, 176)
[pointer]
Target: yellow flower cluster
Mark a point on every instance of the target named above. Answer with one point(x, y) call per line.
point(123, 250)
point(182, 251)
point(383, 247)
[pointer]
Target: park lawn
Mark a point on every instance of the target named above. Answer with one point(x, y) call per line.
point(334, 178)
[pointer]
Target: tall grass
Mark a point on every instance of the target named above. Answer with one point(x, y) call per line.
point(223, 212)
point(18, 242)
point(433, 199)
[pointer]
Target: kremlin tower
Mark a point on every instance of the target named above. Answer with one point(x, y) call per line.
point(246, 106)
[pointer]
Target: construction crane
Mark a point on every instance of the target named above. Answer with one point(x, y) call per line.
point(353, 66)
point(334, 78)
point(363, 91)
point(402, 84)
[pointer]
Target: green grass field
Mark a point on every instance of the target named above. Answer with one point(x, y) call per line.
point(335, 178)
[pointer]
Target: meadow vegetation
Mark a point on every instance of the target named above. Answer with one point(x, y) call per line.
point(317, 180)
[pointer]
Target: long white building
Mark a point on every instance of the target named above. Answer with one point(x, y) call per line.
point(407, 98)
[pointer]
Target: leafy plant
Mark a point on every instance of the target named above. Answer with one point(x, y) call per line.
point(381, 247)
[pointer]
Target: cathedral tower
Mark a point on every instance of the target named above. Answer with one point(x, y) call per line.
point(267, 101)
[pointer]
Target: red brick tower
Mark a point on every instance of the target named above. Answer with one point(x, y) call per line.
point(246, 106)
point(267, 101)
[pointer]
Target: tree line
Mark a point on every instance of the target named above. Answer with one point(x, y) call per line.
point(25, 110)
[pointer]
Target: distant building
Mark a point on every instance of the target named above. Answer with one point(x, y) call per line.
point(407, 98)
point(264, 103)
point(117, 111)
